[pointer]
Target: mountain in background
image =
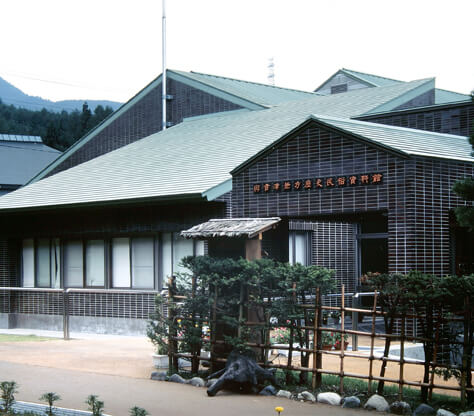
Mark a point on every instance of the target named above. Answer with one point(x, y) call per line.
point(9, 94)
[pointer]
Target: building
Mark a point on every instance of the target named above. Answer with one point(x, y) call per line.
point(21, 158)
point(354, 191)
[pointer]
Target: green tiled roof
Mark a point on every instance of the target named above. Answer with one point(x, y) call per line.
point(408, 141)
point(374, 80)
point(445, 96)
point(262, 94)
point(250, 95)
point(193, 157)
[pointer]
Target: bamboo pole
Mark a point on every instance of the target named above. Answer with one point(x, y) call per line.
point(435, 353)
point(172, 343)
point(171, 318)
point(402, 360)
point(341, 379)
point(372, 342)
point(315, 339)
point(290, 351)
point(465, 365)
point(241, 310)
point(212, 338)
point(196, 348)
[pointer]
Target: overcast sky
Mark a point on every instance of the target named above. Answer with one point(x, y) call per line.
point(110, 49)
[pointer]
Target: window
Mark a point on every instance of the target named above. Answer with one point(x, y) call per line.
point(372, 239)
point(166, 256)
point(299, 248)
point(47, 262)
point(28, 263)
point(129, 262)
point(43, 263)
point(143, 271)
point(73, 264)
point(182, 247)
point(336, 89)
point(174, 248)
point(133, 262)
point(95, 263)
point(40, 262)
point(121, 262)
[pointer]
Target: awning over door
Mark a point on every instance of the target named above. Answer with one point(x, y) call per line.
point(231, 227)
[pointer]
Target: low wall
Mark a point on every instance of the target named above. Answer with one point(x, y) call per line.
point(87, 324)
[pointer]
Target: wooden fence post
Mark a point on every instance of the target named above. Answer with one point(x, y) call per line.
point(213, 328)
point(341, 381)
point(372, 341)
point(466, 366)
point(317, 359)
point(402, 358)
point(172, 343)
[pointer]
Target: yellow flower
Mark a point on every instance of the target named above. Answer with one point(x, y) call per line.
point(279, 409)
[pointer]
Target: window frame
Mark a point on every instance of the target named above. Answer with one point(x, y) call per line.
point(84, 264)
point(156, 261)
point(36, 246)
point(292, 237)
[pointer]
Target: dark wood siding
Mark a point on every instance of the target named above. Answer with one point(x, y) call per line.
point(415, 194)
point(457, 119)
point(144, 118)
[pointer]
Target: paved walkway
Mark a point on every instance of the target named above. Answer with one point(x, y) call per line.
point(117, 369)
point(159, 398)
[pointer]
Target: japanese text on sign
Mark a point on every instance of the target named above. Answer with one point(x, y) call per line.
point(319, 183)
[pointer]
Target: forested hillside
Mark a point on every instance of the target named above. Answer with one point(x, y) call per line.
point(10, 94)
point(58, 130)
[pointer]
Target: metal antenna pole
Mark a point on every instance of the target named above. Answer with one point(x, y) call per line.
point(163, 72)
point(271, 71)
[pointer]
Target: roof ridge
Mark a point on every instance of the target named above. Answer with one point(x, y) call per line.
point(387, 126)
point(250, 82)
point(372, 75)
point(27, 138)
point(452, 92)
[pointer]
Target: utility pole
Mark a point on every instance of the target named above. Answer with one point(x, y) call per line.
point(163, 61)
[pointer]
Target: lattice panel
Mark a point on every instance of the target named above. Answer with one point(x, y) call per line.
point(113, 305)
point(37, 303)
point(333, 245)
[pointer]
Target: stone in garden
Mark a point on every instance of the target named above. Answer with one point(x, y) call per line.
point(210, 382)
point(176, 378)
point(159, 376)
point(378, 403)
point(329, 398)
point(284, 393)
point(196, 382)
point(306, 396)
point(424, 409)
point(350, 402)
point(400, 408)
point(442, 412)
point(268, 391)
point(470, 413)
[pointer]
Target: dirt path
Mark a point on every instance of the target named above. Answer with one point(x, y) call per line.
point(121, 356)
point(131, 357)
point(118, 370)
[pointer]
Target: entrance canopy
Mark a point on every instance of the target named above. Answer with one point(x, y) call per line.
point(231, 227)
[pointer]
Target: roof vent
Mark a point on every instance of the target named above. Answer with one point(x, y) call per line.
point(336, 89)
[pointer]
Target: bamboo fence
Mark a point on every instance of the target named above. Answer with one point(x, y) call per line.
point(313, 315)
